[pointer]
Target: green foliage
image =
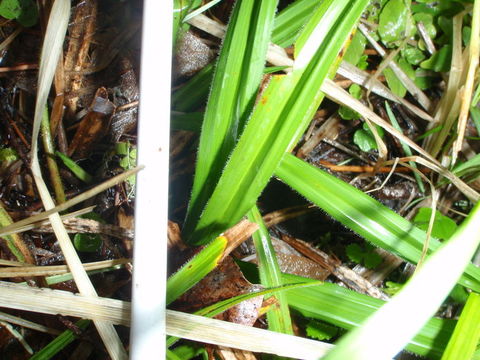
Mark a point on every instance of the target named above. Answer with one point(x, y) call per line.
point(187, 352)
point(355, 50)
point(76, 169)
point(392, 21)
point(413, 55)
point(443, 226)
point(365, 256)
point(320, 331)
point(344, 111)
point(7, 156)
point(60, 342)
point(437, 8)
point(394, 324)
point(393, 82)
point(275, 125)
point(362, 214)
point(128, 159)
point(459, 294)
point(180, 10)
point(195, 269)
point(270, 275)
point(88, 242)
point(364, 138)
point(234, 87)
point(391, 288)
point(24, 11)
point(291, 20)
point(347, 309)
point(422, 79)
point(440, 61)
point(427, 21)
point(466, 335)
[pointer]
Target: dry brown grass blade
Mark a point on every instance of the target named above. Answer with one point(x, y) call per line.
point(474, 52)
point(337, 94)
point(343, 273)
point(11, 263)
point(448, 107)
point(46, 222)
point(27, 324)
point(18, 336)
point(277, 56)
point(406, 81)
point(23, 225)
point(197, 328)
point(52, 49)
point(364, 79)
point(47, 301)
point(15, 242)
point(24, 271)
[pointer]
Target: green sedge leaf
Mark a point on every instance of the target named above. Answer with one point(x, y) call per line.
point(278, 121)
point(195, 269)
point(74, 168)
point(362, 214)
point(466, 335)
point(235, 83)
point(320, 330)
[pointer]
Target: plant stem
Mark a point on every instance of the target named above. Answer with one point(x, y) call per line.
point(52, 164)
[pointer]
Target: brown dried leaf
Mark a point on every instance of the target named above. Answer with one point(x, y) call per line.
point(191, 56)
point(94, 125)
point(224, 282)
point(81, 33)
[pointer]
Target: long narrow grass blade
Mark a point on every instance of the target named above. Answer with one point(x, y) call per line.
point(178, 324)
point(218, 332)
point(15, 242)
point(270, 276)
point(449, 106)
point(234, 87)
point(328, 302)
point(60, 342)
point(362, 214)
point(23, 225)
point(278, 121)
point(11, 319)
point(47, 301)
point(51, 51)
point(387, 331)
point(201, 9)
point(290, 20)
point(26, 271)
point(49, 148)
point(474, 51)
point(195, 269)
point(466, 335)
point(193, 95)
point(405, 147)
point(217, 308)
point(348, 309)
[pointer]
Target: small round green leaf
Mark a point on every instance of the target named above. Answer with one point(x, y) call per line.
point(443, 226)
point(392, 21)
point(87, 242)
point(10, 9)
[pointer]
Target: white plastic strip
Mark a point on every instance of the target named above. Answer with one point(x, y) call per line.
point(147, 337)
